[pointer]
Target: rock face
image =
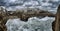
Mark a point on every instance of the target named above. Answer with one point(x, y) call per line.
point(33, 24)
point(23, 15)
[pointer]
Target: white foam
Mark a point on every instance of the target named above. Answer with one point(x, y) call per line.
point(33, 24)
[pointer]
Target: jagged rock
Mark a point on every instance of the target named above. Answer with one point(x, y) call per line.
point(23, 15)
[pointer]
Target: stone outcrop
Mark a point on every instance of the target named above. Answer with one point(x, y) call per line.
point(23, 15)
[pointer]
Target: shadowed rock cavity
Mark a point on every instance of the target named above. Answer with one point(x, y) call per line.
point(26, 19)
point(1, 29)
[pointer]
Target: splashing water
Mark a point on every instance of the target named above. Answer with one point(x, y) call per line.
point(48, 5)
point(33, 24)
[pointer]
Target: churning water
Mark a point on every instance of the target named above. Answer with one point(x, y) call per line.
point(49, 5)
point(33, 24)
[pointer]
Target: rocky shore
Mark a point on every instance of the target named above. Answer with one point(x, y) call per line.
point(23, 14)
